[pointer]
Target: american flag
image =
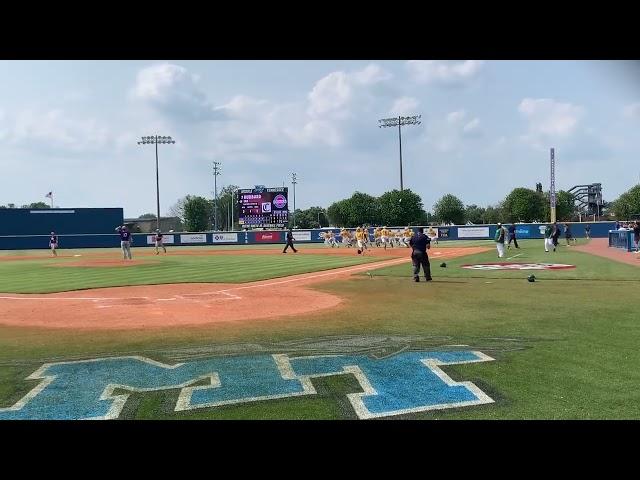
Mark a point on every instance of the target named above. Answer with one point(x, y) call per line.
point(49, 195)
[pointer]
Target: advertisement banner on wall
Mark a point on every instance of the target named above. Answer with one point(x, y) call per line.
point(473, 232)
point(443, 232)
point(166, 239)
point(224, 237)
point(194, 238)
point(302, 236)
point(268, 237)
point(523, 232)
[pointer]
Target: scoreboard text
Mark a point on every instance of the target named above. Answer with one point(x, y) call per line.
point(263, 207)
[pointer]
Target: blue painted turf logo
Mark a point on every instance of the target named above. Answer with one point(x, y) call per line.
point(98, 389)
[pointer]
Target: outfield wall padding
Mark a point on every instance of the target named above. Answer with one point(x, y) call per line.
point(257, 237)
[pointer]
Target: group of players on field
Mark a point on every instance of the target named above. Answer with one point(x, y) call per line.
point(361, 238)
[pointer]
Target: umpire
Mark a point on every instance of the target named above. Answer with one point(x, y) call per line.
point(290, 242)
point(420, 244)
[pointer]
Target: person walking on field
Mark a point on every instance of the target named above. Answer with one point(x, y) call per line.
point(512, 237)
point(433, 235)
point(420, 243)
point(499, 239)
point(159, 242)
point(548, 240)
point(568, 236)
point(53, 244)
point(636, 235)
point(555, 235)
point(290, 242)
point(587, 231)
point(125, 241)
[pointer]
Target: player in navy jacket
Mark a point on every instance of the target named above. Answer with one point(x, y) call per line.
point(53, 244)
point(125, 241)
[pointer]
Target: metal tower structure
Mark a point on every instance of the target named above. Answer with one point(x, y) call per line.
point(552, 192)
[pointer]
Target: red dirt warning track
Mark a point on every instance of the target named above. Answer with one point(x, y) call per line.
point(600, 247)
point(162, 306)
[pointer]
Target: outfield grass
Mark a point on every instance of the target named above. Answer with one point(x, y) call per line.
point(588, 267)
point(47, 275)
point(565, 346)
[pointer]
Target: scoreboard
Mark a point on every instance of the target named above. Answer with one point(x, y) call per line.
point(263, 207)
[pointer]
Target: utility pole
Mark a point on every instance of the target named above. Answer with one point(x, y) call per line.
point(155, 139)
point(399, 122)
point(294, 178)
point(216, 171)
point(233, 199)
point(552, 192)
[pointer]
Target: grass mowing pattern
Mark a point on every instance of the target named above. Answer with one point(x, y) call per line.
point(563, 349)
point(39, 276)
point(588, 267)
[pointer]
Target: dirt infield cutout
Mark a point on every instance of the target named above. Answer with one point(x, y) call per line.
point(173, 305)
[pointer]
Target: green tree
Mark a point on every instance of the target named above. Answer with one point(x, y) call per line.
point(492, 214)
point(197, 213)
point(36, 205)
point(147, 216)
point(627, 204)
point(227, 207)
point(337, 213)
point(400, 208)
point(363, 209)
point(312, 217)
point(474, 214)
point(426, 218)
point(449, 209)
point(524, 205)
point(177, 210)
point(565, 206)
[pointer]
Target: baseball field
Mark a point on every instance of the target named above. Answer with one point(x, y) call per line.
point(247, 332)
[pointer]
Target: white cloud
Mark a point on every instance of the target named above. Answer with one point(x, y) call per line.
point(330, 93)
point(175, 91)
point(56, 130)
point(456, 117)
point(371, 75)
point(404, 106)
point(549, 120)
point(632, 110)
point(443, 72)
point(337, 93)
point(449, 134)
point(472, 128)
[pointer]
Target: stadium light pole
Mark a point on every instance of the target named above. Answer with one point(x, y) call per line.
point(399, 122)
point(216, 171)
point(156, 139)
point(294, 180)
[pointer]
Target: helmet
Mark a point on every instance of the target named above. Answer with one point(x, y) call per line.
point(443, 265)
point(531, 278)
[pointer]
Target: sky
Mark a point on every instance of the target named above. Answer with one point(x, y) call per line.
point(71, 127)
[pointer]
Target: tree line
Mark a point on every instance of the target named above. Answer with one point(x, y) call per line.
point(398, 208)
point(394, 208)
